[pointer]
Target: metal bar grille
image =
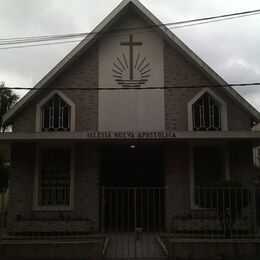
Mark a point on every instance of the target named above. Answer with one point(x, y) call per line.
point(56, 115)
point(131, 219)
point(125, 209)
point(206, 113)
point(217, 212)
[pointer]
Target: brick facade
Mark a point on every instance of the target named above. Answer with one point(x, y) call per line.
point(179, 71)
point(85, 214)
point(177, 178)
point(83, 72)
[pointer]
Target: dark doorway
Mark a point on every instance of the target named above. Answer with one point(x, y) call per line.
point(132, 192)
point(132, 166)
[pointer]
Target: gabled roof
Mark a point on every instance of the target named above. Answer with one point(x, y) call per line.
point(103, 26)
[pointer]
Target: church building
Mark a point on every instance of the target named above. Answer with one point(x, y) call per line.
point(126, 132)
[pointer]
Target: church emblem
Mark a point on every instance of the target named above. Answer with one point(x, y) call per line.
point(132, 71)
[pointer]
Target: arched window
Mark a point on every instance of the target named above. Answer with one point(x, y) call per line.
point(207, 112)
point(56, 115)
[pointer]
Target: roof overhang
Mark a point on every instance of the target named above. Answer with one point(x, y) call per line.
point(142, 135)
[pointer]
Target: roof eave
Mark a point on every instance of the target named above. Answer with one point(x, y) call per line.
point(163, 135)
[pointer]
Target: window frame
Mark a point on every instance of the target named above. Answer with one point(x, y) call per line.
point(256, 162)
point(36, 205)
point(224, 123)
point(38, 126)
point(225, 148)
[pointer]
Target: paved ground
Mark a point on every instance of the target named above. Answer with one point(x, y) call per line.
point(127, 245)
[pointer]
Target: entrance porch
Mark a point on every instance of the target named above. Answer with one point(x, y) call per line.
point(132, 190)
point(120, 186)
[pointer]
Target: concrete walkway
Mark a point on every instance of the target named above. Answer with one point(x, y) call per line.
point(130, 245)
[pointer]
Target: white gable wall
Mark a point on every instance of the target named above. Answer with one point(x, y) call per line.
point(131, 110)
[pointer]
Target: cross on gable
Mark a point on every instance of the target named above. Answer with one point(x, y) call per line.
point(131, 45)
point(131, 42)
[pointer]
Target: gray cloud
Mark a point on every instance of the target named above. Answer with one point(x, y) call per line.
point(229, 47)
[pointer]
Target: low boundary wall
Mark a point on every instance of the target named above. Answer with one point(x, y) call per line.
point(90, 249)
point(213, 249)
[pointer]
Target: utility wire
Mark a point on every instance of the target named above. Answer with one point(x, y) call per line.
point(24, 40)
point(246, 13)
point(73, 41)
point(214, 21)
point(35, 45)
point(111, 36)
point(140, 88)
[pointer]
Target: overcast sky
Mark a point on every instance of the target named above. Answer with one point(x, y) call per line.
point(230, 47)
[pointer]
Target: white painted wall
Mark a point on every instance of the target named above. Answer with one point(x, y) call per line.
point(133, 110)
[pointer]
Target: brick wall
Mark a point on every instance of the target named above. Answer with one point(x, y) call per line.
point(84, 216)
point(177, 179)
point(82, 73)
point(86, 203)
point(241, 163)
point(87, 182)
point(179, 71)
point(21, 180)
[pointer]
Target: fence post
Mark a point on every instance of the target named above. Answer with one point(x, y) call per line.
point(255, 210)
point(135, 254)
point(135, 208)
point(102, 210)
point(2, 213)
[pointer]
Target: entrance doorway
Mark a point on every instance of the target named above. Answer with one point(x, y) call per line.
point(132, 188)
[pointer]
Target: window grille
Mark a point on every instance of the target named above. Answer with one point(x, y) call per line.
point(56, 115)
point(256, 158)
point(54, 181)
point(206, 114)
point(208, 165)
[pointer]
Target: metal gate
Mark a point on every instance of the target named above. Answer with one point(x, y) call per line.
point(132, 220)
